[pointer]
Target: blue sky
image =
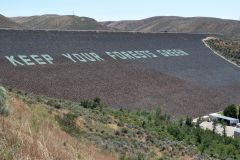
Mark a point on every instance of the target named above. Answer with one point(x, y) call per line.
point(123, 9)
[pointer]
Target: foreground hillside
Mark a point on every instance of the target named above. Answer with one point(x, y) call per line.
point(43, 128)
point(67, 22)
point(179, 24)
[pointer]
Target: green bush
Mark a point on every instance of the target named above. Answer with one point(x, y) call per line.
point(188, 121)
point(3, 108)
point(67, 123)
point(239, 113)
point(231, 111)
point(92, 104)
point(88, 104)
point(54, 103)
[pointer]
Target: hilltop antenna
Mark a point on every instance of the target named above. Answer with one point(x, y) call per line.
point(73, 13)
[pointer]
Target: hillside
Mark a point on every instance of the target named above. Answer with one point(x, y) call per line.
point(8, 23)
point(153, 24)
point(226, 47)
point(179, 24)
point(67, 22)
point(39, 127)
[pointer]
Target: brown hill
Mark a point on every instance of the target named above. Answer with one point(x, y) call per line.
point(68, 22)
point(179, 24)
point(8, 23)
point(153, 24)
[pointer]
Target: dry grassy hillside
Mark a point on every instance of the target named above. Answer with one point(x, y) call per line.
point(67, 22)
point(37, 127)
point(179, 24)
point(8, 23)
point(31, 132)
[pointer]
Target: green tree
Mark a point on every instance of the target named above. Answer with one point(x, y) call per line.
point(214, 126)
point(158, 116)
point(180, 122)
point(239, 113)
point(188, 121)
point(198, 135)
point(97, 100)
point(143, 124)
point(199, 121)
point(224, 132)
point(231, 111)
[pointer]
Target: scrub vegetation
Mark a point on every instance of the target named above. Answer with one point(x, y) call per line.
point(227, 47)
point(232, 111)
point(4, 111)
point(45, 128)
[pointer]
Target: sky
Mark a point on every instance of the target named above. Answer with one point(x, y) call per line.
point(105, 10)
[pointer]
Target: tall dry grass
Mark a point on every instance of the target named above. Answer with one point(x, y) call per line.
point(30, 132)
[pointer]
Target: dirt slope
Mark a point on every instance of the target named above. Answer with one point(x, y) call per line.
point(8, 23)
point(67, 22)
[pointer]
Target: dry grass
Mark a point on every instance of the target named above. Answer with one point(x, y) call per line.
point(31, 132)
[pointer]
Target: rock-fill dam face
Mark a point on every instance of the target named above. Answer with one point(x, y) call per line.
point(127, 70)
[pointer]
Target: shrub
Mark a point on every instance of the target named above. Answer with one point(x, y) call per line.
point(67, 123)
point(92, 104)
point(188, 121)
point(231, 111)
point(173, 130)
point(54, 103)
point(239, 113)
point(159, 117)
point(97, 100)
point(3, 108)
point(88, 104)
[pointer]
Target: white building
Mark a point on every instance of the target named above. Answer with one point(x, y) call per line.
point(219, 117)
point(237, 133)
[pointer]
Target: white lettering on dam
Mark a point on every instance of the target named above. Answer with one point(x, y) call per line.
point(44, 59)
point(22, 60)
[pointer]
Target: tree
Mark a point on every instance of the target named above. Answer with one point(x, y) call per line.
point(224, 132)
point(188, 121)
point(239, 113)
point(158, 116)
point(214, 126)
point(97, 100)
point(199, 121)
point(143, 124)
point(231, 111)
point(198, 136)
point(180, 121)
point(202, 148)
